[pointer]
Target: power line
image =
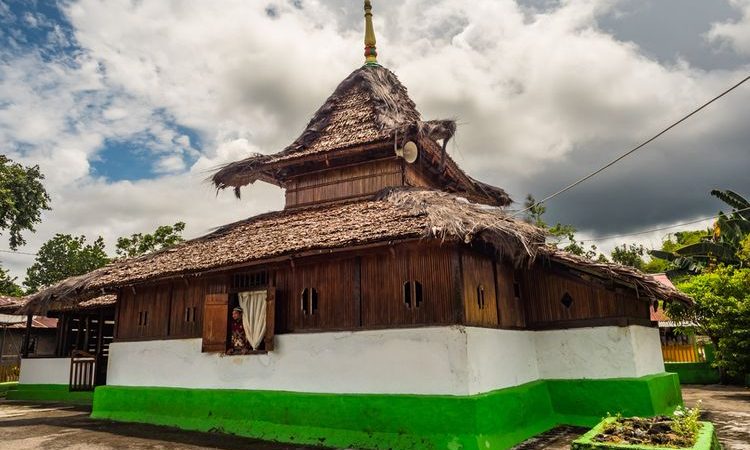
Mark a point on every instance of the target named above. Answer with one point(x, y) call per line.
point(633, 150)
point(602, 238)
point(17, 253)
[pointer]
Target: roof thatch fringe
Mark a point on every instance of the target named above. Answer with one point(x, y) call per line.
point(454, 218)
point(646, 285)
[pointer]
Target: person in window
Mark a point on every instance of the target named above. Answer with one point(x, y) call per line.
point(238, 341)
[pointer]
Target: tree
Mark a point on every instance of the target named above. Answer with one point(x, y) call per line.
point(138, 244)
point(721, 311)
point(8, 284)
point(22, 199)
point(559, 235)
point(629, 255)
point(64, 256)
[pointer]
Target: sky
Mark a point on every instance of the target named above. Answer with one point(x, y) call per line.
point(128, 106)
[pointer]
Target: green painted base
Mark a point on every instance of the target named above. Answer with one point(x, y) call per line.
point(694, 373)
point(7, 386)
point(50, 393)
point(495, 420)
point(706, 440)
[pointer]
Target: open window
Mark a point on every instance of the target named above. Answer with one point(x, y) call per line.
point(250, 331)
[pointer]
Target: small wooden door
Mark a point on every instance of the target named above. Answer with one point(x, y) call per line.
point(215, 317)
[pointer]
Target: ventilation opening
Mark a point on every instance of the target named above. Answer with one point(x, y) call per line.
point(480, 297)
point(309, 301)
point(407, 294)
point(412, 294)
point(516, 290)
point(566, 300)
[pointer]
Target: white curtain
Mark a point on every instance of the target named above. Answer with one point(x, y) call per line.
point(253, 306)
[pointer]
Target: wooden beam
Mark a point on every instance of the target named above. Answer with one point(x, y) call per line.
point(27, 335)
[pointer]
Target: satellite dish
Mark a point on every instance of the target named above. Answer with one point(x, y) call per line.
point(410, 152)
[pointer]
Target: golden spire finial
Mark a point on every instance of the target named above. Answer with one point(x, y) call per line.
point(371, 56)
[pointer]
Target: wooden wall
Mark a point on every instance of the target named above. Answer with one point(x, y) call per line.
point(366, 290)
point(383, 278)
point(343, 183)
point(157, 311)
point(589, 302)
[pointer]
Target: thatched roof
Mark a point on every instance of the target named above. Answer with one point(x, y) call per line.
point(646, 285)
point(10, 305)
point(370, 106)
point(394, 215)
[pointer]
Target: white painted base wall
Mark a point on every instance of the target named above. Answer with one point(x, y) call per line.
point(452, 360)
point(45, 371)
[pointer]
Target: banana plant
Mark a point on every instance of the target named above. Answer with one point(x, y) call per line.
point(721, 246)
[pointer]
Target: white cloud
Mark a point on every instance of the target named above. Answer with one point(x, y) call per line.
point(734, 34)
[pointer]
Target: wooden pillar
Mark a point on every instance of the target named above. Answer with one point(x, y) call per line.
point(87, 333)
point(27, 336)
point(100, 333)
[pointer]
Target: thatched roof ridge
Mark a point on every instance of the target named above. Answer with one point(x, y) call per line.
point(646, 285)
point(398, 214)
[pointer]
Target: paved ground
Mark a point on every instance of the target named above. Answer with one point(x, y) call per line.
point(31, 426)
point(26, 426)
point(728, 408)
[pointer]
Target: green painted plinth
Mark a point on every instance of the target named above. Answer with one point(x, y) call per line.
point(706, 440)
point(58, 393)
point(7, 386)
point(694, 373)
point(495, 420)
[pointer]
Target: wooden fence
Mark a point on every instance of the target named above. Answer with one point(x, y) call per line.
point(683, 353)
point(9, 371)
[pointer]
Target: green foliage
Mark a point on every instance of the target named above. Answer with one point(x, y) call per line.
point(629, 255)
point(535, 211)
point(8, 284)
point(22, 199)
point(559, 235)
point(64, 256)
point(721, 246)
point(686, 421)
point(138, 244)
point(721, 311)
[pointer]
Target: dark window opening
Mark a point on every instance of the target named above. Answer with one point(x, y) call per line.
point(309, 301)
point(566, 300)
point(142, 318)
point(190, 314)
point(516, 290)
point(412, 294)
point(480, 297)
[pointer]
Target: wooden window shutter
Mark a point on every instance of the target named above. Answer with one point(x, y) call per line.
point(270, 318)
point(215, 316)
